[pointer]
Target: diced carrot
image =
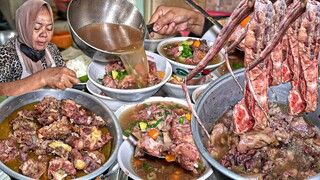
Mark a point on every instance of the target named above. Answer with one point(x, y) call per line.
point(201, 55)
point(188, 116)
point(138, 163)
point(196, 43)
point(170, 158)
point(97, 178)
point(161, 74)
point(175, 177)
point(154, 134)
point(245, 21)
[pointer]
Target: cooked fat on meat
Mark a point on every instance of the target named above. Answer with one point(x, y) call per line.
point(33, 168)
point(8, 150)
point(60, 129)
point(59, 168)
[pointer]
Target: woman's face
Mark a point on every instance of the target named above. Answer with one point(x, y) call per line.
point(42, 30)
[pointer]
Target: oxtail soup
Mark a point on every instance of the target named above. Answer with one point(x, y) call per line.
point(163, 129)
point(122, 39)
point(190, 51)
point(54, 139)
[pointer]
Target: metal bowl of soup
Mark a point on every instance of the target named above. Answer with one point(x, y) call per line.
point(84, 99)
point(98, 27)
point(217, 99)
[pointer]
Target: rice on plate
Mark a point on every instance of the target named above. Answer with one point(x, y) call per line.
point(79, 65)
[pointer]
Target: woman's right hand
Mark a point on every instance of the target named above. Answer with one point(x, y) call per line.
point(169, 20)
point(59, 77)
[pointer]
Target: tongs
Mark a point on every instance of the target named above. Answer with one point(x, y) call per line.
point(202, 11)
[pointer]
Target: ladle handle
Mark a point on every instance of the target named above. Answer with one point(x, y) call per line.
point(202, 11)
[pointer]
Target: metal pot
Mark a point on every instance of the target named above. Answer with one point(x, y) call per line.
point(6, 35)
point(83, 12)
point(222, 94)
point(88, 101)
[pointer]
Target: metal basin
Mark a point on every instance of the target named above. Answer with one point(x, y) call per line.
point(88, 101)
point(6, 35)
point(83, 12)
point(222, 94)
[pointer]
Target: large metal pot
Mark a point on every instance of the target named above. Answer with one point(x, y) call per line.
point(88, 101)
point(83, 12)
point(222, 94)
point(6, 35)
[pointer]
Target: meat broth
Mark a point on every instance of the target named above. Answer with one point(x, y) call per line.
point(288, 149)
point(122, 39)
point(174, 141)
point(7, 129)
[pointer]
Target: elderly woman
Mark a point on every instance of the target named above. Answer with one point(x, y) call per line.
point(29, 61)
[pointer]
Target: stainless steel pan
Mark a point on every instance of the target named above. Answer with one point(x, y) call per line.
point(88, 101)
point(83, 12)
point(222, 94)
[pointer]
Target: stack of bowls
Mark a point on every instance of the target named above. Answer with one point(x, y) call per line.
point(182, 70)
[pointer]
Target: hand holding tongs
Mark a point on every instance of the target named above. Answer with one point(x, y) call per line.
point(202, 11)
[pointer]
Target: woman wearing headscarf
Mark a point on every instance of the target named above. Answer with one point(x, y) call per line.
point(29, 61)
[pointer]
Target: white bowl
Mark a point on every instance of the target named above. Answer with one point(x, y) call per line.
point(96, 71)
point(175, 90)
point(126, 150)
point(183, 69)
point(113, 104)
point(125, 154)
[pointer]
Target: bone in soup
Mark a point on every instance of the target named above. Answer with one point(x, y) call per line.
point(289, 148)
point(122, 39)
point(162, 129)
point(54, 139)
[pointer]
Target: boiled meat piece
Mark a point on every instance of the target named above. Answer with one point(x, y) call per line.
point(88, 138)
point(57, 130)
point(60, 168)
point(32, 168)
point(47, 111)
point(8, 150)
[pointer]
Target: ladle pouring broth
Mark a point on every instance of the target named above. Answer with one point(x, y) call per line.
point(123, 40)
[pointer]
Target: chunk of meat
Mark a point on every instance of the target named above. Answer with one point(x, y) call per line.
point(47, 111)
point(187, 156)
point(8, 150)
point(32, 168)
point(151, 146)
point(60, 168)
point(255, 139)
point(89, 138)
point(60, 129)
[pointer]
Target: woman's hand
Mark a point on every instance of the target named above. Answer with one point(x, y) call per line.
point(169, 20)
point(59, 77)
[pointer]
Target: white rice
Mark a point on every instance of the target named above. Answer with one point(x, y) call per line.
point(79, 65)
